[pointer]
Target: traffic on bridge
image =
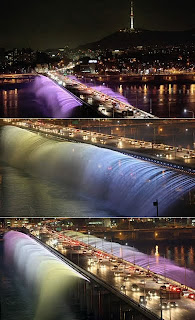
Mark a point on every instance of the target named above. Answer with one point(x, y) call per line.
point(180, 156)
point(150, 286)
point(106, 102)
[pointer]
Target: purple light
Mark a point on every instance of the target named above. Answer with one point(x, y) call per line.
point(155, 263)
point(56, 100)
point(104, 90)
point(111, 93)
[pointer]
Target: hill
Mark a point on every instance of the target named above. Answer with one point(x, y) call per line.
point(124, 39)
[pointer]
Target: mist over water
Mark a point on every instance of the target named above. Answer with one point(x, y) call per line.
point(125, 184)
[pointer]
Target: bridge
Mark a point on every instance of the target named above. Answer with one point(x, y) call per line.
point(162, 78)
point(99, 299)
point(182, 161)
point(104, 103)
point(109, 272)
point(14, 78)
point(157, 234)
point(129, 184)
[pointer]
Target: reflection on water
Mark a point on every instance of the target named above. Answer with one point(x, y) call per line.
point(10, 102)
point(164, 101)
point(23, 195)
point(20, 101)
point(167, 100)
point(182, 254)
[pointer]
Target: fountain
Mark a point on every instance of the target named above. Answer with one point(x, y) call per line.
point(126, 185)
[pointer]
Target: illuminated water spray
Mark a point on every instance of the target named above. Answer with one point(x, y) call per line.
point(124, 184)
point(56, 100)
point(154, 262)
point(105, 90)
point(47, 277)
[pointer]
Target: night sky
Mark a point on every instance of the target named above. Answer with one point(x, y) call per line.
point(41, 24)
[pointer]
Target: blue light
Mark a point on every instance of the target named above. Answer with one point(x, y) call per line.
point(121, 182)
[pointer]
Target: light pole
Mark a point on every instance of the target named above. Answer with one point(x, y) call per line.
point(189, 111)
point(88, 237)
point(103, 242)
point(155, 204)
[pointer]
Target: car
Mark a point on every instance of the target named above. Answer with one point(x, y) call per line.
point(121, 267)
point(115, 268)
point(185, 293)
point(174, 288)
point(158, 280)
point(153, 293)
point(161, 155)
point(142, 281)
point(186, 156)
point(167, 284)
point(137, 271)
point(163, 287)
point(173, 304)
point(148, 275)
point(135, 287)
point(142, 272)
point(191, 296)
point(143, 300)
point(122, 288)
point(148, 297)
point(165, 305)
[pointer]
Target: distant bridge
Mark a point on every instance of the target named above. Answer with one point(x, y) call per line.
point(157, 234)
point(151, 78)
point(14, 78)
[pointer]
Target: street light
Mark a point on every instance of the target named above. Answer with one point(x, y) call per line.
point(155, 204)
point(104, 238)
point(188, 111)
point(88, 237)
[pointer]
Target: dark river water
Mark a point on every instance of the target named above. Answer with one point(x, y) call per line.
point(161, 100)
point(165, 101)
point(24, 195)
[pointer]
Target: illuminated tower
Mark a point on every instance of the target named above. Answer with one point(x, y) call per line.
point(131, 17)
